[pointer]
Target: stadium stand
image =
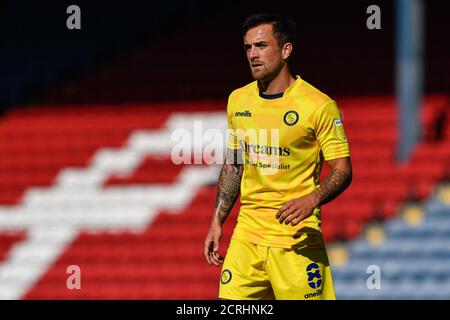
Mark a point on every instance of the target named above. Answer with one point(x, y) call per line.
point(413, 258)
point(94, 187)
point(86, 177)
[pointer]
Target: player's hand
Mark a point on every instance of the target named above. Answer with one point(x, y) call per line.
point(296, 210)
point(211, 250)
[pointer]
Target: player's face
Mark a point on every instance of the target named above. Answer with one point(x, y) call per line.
point(263, 52)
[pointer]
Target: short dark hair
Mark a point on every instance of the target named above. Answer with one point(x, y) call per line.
point(283, 27)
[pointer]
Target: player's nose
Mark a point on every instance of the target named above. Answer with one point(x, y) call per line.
point(253, 53)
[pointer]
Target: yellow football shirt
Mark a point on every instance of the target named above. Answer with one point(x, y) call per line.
point(284, 142)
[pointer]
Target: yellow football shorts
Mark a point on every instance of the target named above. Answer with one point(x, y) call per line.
point(251, 271)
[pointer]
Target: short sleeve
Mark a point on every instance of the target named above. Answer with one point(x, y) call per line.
point(330, 133)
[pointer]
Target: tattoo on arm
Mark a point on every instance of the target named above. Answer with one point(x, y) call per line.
point(229, 186)
point(335, 183)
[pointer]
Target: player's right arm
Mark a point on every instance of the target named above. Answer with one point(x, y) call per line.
point(228, 189)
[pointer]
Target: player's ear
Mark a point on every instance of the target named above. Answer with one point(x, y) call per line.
point(286, 50)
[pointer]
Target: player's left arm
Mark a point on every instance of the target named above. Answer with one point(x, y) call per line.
point(339, 179)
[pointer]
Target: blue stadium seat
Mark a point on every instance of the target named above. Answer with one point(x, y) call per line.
point(414, 261)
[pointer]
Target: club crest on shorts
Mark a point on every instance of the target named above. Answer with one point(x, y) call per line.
point(290, 118)
point(314, 277)
point(339, 129)
point(226, 276)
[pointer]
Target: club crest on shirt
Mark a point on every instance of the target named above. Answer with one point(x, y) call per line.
point(291, 118)
point(339, 129)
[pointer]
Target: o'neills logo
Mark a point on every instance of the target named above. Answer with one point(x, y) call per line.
point(267, 150)
point(313, 294)
point(246, 113)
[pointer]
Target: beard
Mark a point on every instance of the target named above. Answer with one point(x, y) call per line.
point(265, 76)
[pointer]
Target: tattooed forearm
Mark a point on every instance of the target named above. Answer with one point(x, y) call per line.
point(228, 189)
point(335, 183)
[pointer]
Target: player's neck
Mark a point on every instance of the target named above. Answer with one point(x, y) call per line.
point(279, 84)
